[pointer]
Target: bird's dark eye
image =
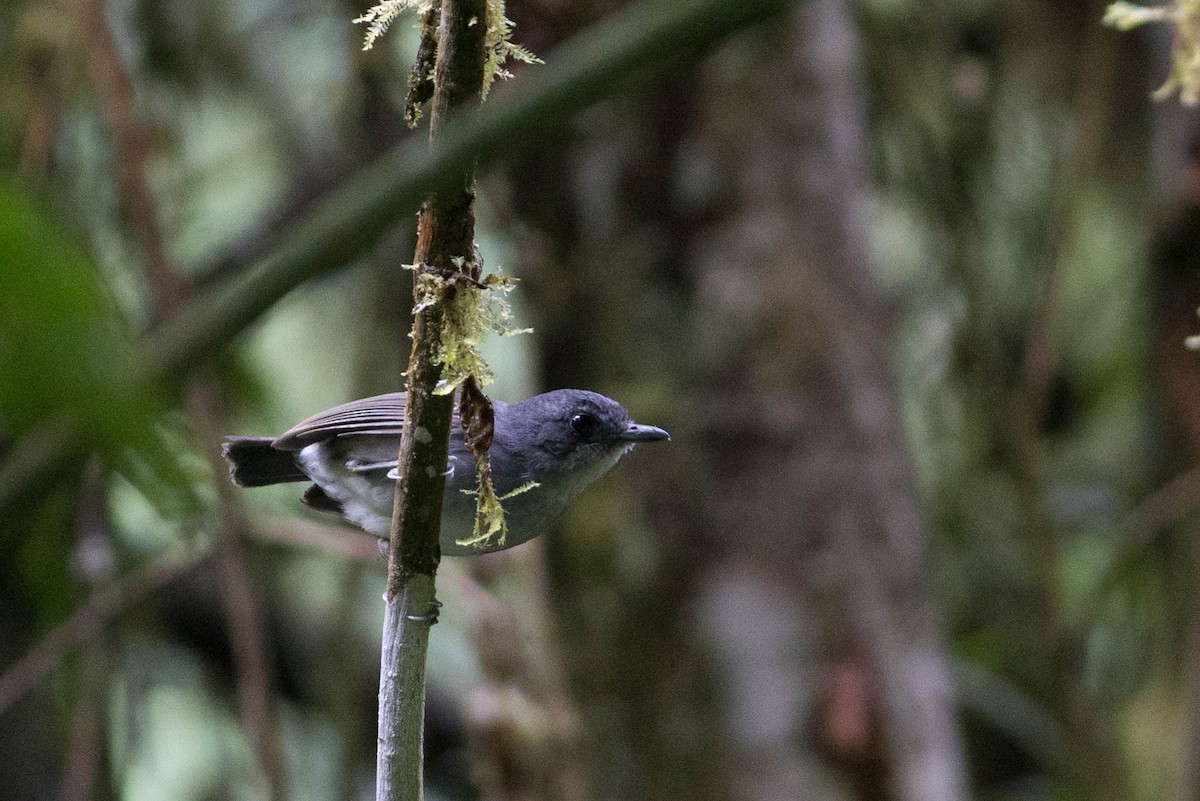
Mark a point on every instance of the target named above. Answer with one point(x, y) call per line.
point(584, 424)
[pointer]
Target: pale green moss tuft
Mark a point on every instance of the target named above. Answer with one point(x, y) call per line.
point(380, 16)
point(489, 511)
point(1184, 75)
point(500, 47)
point(474, 310)
point(470, 311)
point(497, 42)
point(1127, 16)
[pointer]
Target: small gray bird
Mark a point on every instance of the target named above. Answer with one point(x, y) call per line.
point(562, 440)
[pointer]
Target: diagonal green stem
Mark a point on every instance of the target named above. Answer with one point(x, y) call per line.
point(351, 219)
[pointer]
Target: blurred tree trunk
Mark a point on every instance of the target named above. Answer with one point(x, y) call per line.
point(698, 251)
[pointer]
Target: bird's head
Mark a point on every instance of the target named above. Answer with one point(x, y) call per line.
point(573, 432)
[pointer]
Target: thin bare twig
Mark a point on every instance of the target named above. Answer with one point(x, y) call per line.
point(85, 753)
point(1042, 351)
point(1093, 744)
point(1164, 507)
point(248, 638)
point(1092, 102)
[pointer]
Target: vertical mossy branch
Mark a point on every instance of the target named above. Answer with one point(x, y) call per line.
point(445, 247)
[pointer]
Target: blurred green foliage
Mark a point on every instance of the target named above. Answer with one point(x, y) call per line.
point(62, 344)
point(995, 165)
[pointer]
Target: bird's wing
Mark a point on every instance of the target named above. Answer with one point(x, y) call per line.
point(380, 415)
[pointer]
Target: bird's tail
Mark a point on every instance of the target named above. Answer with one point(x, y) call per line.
point(254, 463)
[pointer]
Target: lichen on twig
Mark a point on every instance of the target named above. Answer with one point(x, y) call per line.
point(380, 16)
point(1184, 15)
point(489, 511)
point(471, 309)
point(498, 46)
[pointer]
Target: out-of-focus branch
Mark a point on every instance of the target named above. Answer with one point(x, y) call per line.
point(351, 219)
point(85, 753)
point(445, 248)
point(45, 116)
point(1165, 507)
point(524, 735)
point(248, 638)
point(92, 562)
point(1094, 744)
point(884, 556)
point(89, 620)
point(246, 632)
point(1043, 344)
point(501, 717)
point(1012, 711)
point(1092, 104)
point(295, 532)
point(115, 91)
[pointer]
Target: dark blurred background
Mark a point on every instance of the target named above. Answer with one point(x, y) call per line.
point(909, 282)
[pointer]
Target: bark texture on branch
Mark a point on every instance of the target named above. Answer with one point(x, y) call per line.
point(445, 247)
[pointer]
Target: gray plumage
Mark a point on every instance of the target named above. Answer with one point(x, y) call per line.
point(562, 440)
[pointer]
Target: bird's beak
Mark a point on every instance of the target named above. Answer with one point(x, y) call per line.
point(640, 433)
